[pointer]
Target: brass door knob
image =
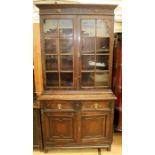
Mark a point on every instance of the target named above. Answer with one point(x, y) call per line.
point(59, 106)
point(96, 105)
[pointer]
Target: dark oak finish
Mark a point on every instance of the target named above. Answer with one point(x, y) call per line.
point(59, 128)
point(117, 80)
point(37, 134)
point(77, 104)
point(77, 123)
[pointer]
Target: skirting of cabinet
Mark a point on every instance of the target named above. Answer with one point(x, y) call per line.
point(107, 147)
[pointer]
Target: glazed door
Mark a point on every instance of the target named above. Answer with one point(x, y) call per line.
point(95, 127)
point(77, 51)
point(58, 52)
point(95, 35)
point(59, 128)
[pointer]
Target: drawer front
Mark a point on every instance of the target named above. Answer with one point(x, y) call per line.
point(77, 105)
point(58, 105)
point(95, 105)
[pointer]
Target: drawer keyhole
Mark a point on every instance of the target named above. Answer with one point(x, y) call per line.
point(59, 106)
point(96, 105)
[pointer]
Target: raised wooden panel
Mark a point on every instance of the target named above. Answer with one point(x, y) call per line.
point(95, 127)
point(59, 128)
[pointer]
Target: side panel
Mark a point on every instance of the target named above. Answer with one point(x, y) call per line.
point(37, 59)
point(37, 136)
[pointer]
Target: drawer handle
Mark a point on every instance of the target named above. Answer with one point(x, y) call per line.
point(58, 10)
point(59, 106)
point(96, 105)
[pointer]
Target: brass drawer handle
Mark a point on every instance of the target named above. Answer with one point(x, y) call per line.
point(58, 10)
point(59, 106)
point(96, 105)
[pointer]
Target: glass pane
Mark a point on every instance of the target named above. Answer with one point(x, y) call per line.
point(66, 79)
point(102, 29)
point(66, 62)
point(50, 27)
point(88, 28)
point(88, 62)
point(65, 45)
point(87, 79)
point(52, 79)
point(51, 62)
point(101, 62)
point(50, 45)
point(88, 45)
point(102, 45)
point(101, 79)
point(65, 28)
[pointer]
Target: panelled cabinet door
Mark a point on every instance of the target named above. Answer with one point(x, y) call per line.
point(59, 128)
point(95, 127)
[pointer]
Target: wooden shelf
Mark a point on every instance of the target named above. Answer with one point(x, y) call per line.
point(97, 51)
point(94, 37)
point(61, 71)
point(97, 54)
point(97, 71)
point(50, 54)
point(101, 86)
point(102, 71)
point(56, 71)
point(87, 71)
point(58, 87)
point(64, 71)
point(66, 53)
point(48, 36)
point(82, 36)
point(85, 87)
point(103, 54)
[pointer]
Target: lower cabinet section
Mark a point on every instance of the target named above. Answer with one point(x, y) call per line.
point(77, 124)
point(37, 135)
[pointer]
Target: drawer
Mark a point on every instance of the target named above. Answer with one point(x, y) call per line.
point(95, 105)
point(58, 105)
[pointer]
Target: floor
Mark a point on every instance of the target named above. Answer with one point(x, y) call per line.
point(116, 149)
